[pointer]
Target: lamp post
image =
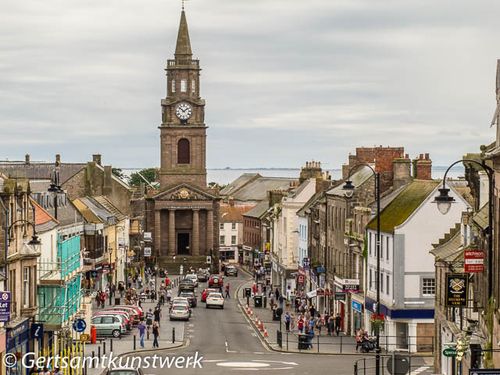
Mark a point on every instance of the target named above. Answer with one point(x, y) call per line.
point(55, 188)
point(349, 192)
point(444, 202)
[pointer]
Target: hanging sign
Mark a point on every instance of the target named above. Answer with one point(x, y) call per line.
point(456, 290)
point(5, 306)
point(473, 261)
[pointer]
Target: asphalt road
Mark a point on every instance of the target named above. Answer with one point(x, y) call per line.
point(227, 342)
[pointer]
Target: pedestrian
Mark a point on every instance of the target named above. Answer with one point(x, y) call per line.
point(227, 291)
point(156, 334)
point(254, 289)
point(330, 325)
point(300, 324)
point(338, 323)
point(149, 318)
point(142, 331)
point(157, 315)
point(169, 295)
point(153, 296)
point(287, 321)
point(162, 297)
point(359, 338)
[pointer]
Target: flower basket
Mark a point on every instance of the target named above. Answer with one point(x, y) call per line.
point(377, 322)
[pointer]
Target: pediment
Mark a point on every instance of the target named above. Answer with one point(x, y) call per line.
point(184, 192)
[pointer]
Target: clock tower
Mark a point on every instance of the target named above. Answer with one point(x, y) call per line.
point(183, 214)
point(183, 130)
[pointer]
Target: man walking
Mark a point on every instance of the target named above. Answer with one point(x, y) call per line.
point(142, 331)
point(156, 333)
point(227, 291)
point(338, 323)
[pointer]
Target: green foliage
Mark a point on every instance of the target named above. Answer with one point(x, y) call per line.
point(215, 185)
point(118, 172)
point(365, 247)
point(150, 174)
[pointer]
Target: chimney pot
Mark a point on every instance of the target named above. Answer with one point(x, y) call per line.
point(58, 159)
point(426, 156)
point(27, 158)
point(96, 158)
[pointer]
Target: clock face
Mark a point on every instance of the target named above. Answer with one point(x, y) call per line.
point(183, 111)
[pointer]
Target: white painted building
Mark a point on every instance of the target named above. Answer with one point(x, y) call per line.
point(410, 224)
point(231, 231)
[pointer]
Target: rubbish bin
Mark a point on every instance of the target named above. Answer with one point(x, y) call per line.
point(303, 342)
point(257, 301)
point(117, 301)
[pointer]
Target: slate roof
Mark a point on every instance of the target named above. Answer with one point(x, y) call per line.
point(450, 250)
point(86, 212)
point(259, 210)
point(239, 183)
point(255, 189)
point(106, 203)
point(403, 205)
point(481, 217)
point(358, 178)
point(39, 170)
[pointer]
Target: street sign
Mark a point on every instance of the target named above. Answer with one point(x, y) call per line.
point(473, 261)
point(36, 331)
point(5, 306)
point(489, 371)
point(84, 337)
point(147, 236)
point(147, 251)
point(450, 352)
point(209, 259)
point(79, 325)
point(456, 287)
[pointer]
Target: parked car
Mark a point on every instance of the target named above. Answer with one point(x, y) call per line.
point(124, 371)
point(206, 292)
point(215, 299)
point(193, 277)
point(203, 275)
point(135, 316)
point(179, 312)
point(215, 281)
point(109, 325)
point(231, 271)
point(191, 297)
point(126, 317)
point(137, 310)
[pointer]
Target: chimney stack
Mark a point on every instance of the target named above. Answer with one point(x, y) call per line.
point(58, 160)
point(96, 158)
point(27, 159)
point(401, 171)
point(422, 167)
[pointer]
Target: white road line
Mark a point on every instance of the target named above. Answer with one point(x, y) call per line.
point(419, 370)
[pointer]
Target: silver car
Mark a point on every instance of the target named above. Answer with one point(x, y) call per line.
point(179, 312)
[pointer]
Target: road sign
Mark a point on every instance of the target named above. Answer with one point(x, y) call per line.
point(450, 352)
point(36, 331)
point(79, 325)
point(5, 306)
point(84, 337)
point(147, 251)
point(209, 259)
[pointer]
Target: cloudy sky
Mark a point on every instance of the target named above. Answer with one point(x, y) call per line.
point(285, 80)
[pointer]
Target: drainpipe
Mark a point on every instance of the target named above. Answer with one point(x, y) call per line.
point(6, 241)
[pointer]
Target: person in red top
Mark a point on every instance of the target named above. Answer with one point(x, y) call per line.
point(300, 324)
point(167, 281)
point(254, 289)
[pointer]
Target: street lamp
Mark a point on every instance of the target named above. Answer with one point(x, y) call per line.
point(349, 192)
point(55, 188)
point(444, 202)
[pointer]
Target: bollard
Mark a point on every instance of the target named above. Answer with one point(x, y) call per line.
point(93, 356)
point(318, 342)
point(111, 345)
point(364, 366)
point(135, 342)
point(356, 368)
point(104, 348)
point(99, 351)
point(287, 341)
point(173, 335)
point(340, 344)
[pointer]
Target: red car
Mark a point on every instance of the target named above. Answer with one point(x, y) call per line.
point(215, 281)
point(206, 292)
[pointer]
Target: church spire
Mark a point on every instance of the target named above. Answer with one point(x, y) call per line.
point(183, 48)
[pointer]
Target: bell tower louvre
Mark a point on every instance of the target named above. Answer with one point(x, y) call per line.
point(183, 213)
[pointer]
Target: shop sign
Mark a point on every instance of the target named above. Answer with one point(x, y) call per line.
point(473, 261)
point(450, 352)
point(347, 285)
point(356, 306)
point(320, 269)
point(456, 290)
point(5, 306)
point(340, 296)
point(147, 251)
point(17, 330)
point(300, 279)
point(147, 236)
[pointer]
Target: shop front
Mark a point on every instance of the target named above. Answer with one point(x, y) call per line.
point(17, 343)
point(356, 313)
point(229, 254)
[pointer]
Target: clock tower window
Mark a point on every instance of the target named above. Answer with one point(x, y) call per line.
point(173, 85)
point(193, 87)
point(183, 151)
point(183, 85)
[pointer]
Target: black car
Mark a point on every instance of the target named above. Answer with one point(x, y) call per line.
point(193, 301)
point(231, 271)
point(203, 276)
point(186, 283)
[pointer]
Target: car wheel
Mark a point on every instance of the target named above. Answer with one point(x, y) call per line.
point(116, 333)
point(222, 307)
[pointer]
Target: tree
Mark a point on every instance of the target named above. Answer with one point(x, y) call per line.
point(118, 172)
point(150, 174)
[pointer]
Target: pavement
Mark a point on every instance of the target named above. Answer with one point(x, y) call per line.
point(226, 340)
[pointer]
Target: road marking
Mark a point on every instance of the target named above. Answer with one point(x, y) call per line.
point(258, 353)
point(284, 363)
point(243, 364)
point(254, 334)
point(420, 369)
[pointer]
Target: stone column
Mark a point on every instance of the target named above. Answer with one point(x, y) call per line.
point(158, 232)
point(196, 232)
point(210, 231)
point(171, 232)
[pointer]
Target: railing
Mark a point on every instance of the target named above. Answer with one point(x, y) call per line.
point(390, 364)
point(183, 62)
point(323, 343)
